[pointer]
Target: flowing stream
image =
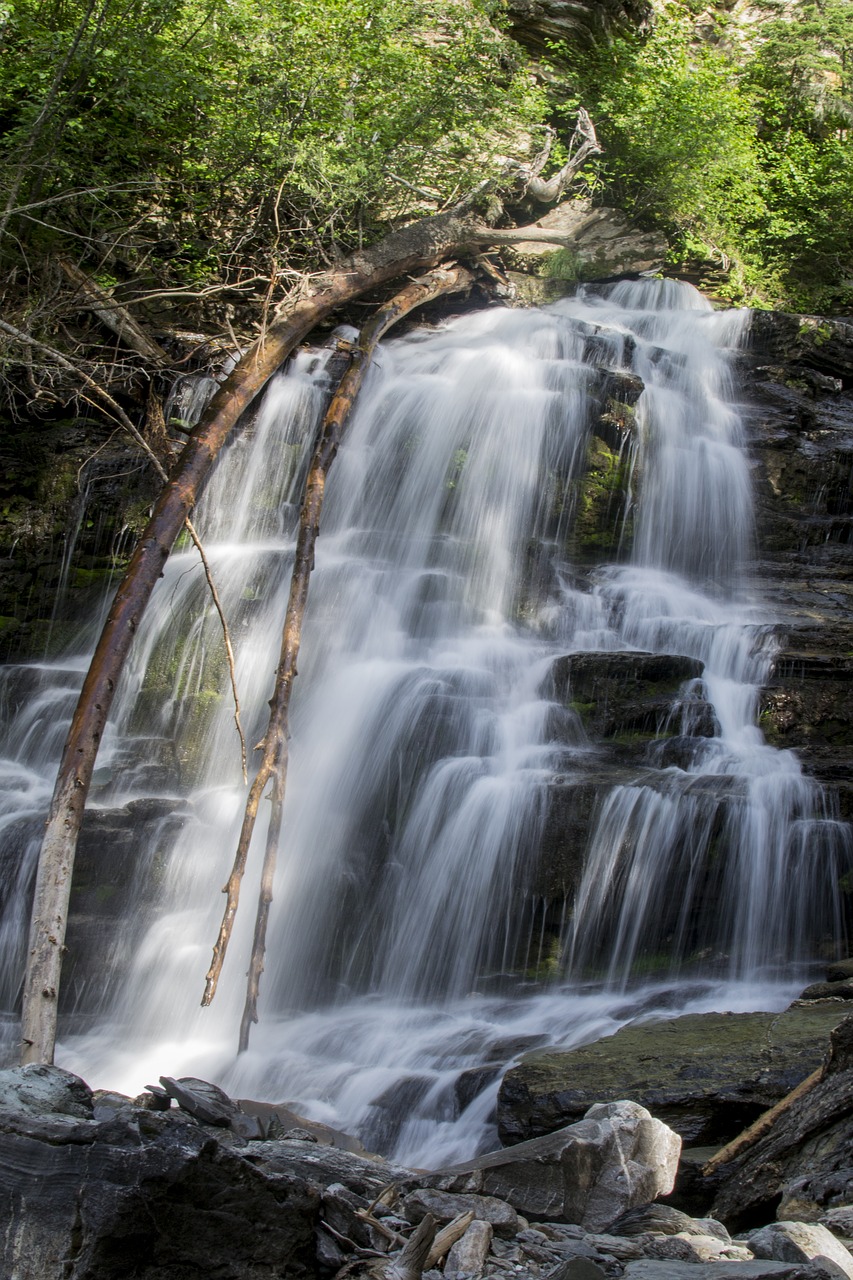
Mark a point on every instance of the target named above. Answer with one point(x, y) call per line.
point(411, 940)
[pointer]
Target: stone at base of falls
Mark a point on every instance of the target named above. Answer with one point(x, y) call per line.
point(803, 1165)
point(588, 1173)
point(121, 1191)
point(829, 991)
point(445, 1206)
point(800, 1242)
point(201, 1099)
point(706, 1075)
point(36, 1089)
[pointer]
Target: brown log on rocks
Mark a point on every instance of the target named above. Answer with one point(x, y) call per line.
point(762, 1125)
point(273, 766)
point(412, 248)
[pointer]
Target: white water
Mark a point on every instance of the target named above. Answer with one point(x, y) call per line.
point(407, 942)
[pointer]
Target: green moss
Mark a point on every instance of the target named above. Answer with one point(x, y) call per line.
point(562, 264)
point(82, 578)
point(599, 500)
point(845, 883)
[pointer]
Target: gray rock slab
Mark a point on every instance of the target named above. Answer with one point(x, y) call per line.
point(707, 1076)
point(45, 1090)
point(587, 1173)
point(445, 1206)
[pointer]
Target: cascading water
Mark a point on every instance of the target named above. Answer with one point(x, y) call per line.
point(409, 942)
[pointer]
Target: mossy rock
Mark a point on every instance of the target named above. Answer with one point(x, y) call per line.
point(706, 1075)
point(601, 528)
point(627, 695)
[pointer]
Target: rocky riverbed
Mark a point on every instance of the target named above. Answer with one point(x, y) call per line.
point(183, 1182)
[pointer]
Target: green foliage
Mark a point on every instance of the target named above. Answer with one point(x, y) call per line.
point(192, 129)
point(737, 145)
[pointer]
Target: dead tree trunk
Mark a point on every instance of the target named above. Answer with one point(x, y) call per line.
point(273, 766)
point(413, 248)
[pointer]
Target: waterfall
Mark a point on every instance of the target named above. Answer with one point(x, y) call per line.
point(412, 944)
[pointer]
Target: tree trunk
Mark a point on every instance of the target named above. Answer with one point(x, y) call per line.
point(413, 248)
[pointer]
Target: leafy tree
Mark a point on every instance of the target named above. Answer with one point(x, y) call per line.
point(201, 129)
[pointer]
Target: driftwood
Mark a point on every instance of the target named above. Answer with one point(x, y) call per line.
point(447, 1237)
point(410, 1263)
point(413, 248)
point(762, 1125)
point(273, 766)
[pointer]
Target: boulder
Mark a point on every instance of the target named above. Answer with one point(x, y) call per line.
point(587, 1173)
point(444, 1207)
point(147, 1196)
point(39, 1089)
point(800, 1242)
point(707, 1076)
point(468, 1256)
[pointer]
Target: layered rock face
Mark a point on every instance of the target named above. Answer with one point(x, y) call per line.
point(801, 427)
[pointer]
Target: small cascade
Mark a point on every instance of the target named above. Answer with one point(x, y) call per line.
point(533, 512)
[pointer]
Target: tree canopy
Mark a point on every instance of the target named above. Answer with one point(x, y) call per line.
point(233, 145)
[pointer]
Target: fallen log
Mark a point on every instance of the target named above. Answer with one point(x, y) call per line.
point(413, 248)
point(273, 766)
point(762, 1125)
point(114, 316)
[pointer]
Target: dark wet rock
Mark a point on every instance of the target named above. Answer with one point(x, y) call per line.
point(804, 1164)
point(207, 1102)
point(705, 1075)
point(470, 1084)
point(390, 1109)
point(38, 1089)
point(815, 342)
point(155, 1098)
point(829, 991)
point(146, 1196)
point(623, 693)
point(586, 1173)
point(119, 870)
point(280, 1121)
point(801, 436)
point(839, 971)
point(577, 1269)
